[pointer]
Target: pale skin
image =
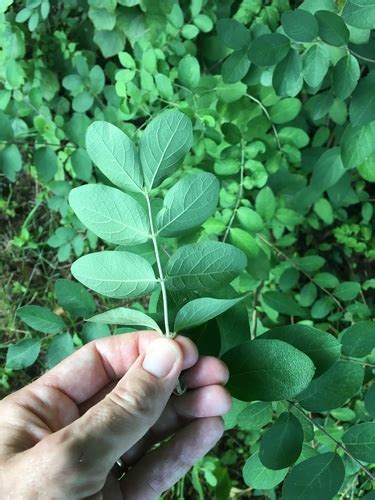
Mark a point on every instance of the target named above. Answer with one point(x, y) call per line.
point(61, 435)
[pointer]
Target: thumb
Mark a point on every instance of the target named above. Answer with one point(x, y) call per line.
point(115, 424)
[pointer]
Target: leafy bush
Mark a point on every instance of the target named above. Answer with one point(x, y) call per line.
point(241, 215)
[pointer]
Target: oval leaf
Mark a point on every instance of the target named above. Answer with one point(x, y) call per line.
point(204, 266)
point(110, 214)
point(41, 319)
point(188, 204)
point(163, 145)
point(115, 155)
point(23, 354)
point(74, 298)
point(257, 476)
point(115, 274)
point(360, 441)
point(125, 316)
point(281, 445)
point(199, 311)
point(267, 370)
point(359, 339)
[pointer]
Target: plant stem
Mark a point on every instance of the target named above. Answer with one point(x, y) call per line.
point(168, 333)
point(240, 193)
point(338, 444)
point(265, 111)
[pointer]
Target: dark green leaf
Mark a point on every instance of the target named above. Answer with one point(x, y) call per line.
point(299, 25)
point(45, 161)
point(359, 339)
point(235, 67)
point(315, 65)
point(267, 50)
point(267, 370)
point(317, 477)
point(346, 74)
point(41, 319)
point(233, 34)
point(362, 104)
point(370, 401)
point(287, 76)
point(360, 441)
point(255, 416)
point(23, 354)
point(60, 347)
point(281, 445)
point(332, 29)
point(334, 388)
point(284, 304)
point(74, 298)
point(357, 144)
point(257, 476)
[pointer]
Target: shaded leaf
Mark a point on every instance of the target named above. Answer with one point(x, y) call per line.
point(125, 316)
point(41, 319)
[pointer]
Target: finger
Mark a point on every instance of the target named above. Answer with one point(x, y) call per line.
point(98, 363)
point(162, 468)
point(98, 438)
point(212, 401)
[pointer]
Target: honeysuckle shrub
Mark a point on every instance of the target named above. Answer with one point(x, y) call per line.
point(223, 152)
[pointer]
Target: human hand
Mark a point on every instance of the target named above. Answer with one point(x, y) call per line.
point(61, 435)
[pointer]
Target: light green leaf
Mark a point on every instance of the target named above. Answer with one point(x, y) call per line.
point(285, 110)
point(82, 102)
point(115, 274)
point(163, 146)
point(23, 354)
point(265, 203)
point(204, 266)
point(321, 347)
point(347, 290)
point(299, 25)
point(164, 86)
point(245, 242)
point(74, 298)
point(115, 154)
point(188, 204)
point(359, 339)
point(199, 311)
point(189, 72)
point(367, 169)
point(332, 29)
point(41, 319)
point(110, 214)
point(230, 92)
point(315, 65)
point(360, 13)
point(317, 477)
point(257, 476)
point(281, 445)
point(249, 219)
point(267, 370)
point(360, 441)
point(125, 316)
point(267, 50)
point(60, 347)
point(255, 416)
point(334, 388)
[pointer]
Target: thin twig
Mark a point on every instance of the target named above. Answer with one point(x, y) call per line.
point(160, 269)
point(282, 254)
point(366, 59)
point(338, 444)
point(265, 111)
point(240, 193)
point(254, 319)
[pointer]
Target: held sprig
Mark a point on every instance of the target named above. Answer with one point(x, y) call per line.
point(130, 214)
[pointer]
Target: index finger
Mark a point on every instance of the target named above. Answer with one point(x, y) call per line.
point(93, 366)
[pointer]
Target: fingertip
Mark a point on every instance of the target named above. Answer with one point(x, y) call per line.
point(190, 351)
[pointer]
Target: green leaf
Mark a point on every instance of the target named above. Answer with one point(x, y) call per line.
point(45, 161)
point(163, 145)
point(332, 29)
point(267, 370)
point(233, 34)
point(267, 50)
point(10, 162)
point(199, 311)
point(287, 76)
point(234, 326)
point(281, 445)
point(81, 164)
point(313, 6)
point(82, 102)
point(357, 144)
point(255, 416)
point(115, 155)
point(334, 388)
point(285, 110)
point(110, 214)
point(360, 441)
point(359, 339)
point(362, 104)
point(322, 308)
point(370, 401)
point(204, 266)
point(299, 25)
point(189, 203)
point(347, 290)
point(164, 86)
point(109, 42)
point(327, 170)
point(367, 169)
point(41, 319)
point(257, 476)
point(315, 65)
point(74, 298)
point(115, 274)
point(321, 347)
point(284, 304)
point(317, 477)
point(235, 67)
point(125, 316)
point(60, 347)
point(360, 13)
point(189, 72)
point(230, 92)
point(265, 203)
point(249, 219)
point(94, 331)
point(23, 354)
point(245, 242)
